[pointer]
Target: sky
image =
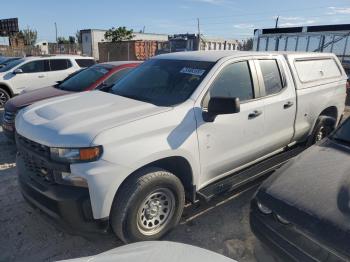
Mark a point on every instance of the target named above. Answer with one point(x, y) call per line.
point(230, 19)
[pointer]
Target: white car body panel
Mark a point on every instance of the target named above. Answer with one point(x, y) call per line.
point(155, 251)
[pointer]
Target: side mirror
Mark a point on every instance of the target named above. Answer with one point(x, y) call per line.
point(18, 71)
point(104, 86)
point(221, 106)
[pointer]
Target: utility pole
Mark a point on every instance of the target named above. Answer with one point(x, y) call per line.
point(199, 35)
point(56, 32)
point(143, 30)
point(277, 18)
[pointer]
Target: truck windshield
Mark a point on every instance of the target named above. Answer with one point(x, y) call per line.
point(82, 80)
point(342, 134)
point(163, 82)
point(8, 66)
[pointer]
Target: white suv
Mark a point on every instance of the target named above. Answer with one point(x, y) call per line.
point(37, 72)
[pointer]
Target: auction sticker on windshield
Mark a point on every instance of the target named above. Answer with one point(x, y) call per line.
point(192, 71)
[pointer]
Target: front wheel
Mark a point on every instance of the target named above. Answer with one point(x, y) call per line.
point(147, 206)
point(4, 97)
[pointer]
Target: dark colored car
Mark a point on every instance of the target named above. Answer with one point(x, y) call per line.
point(303, 210)
point(99, 76)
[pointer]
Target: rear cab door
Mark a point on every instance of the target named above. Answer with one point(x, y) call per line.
point(278, 93)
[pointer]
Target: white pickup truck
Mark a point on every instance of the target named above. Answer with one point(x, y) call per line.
point(180, 126)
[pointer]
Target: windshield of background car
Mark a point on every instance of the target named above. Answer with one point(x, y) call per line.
point(163, 82)
point(342, 134)
point(84, 79)
point(11, 65)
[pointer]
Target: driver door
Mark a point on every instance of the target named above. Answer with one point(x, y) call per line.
point(34, 75)
point(232, 140)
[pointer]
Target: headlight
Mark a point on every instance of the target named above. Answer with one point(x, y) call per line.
point(263, 208)
point(74, 155)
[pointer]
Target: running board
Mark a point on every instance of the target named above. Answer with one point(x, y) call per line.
point(240, 178)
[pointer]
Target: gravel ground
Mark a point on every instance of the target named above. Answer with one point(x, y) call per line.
point(28, 235)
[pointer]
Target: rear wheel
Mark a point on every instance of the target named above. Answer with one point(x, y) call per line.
point(147, 206)
point(4, 97)
point(324, 126)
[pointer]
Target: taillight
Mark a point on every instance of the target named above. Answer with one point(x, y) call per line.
point(347, 84)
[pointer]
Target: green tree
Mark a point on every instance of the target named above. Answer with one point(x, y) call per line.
point(119, 34)
point(29, 36)
point(62, 40)
point(78, 37)
point(247, 44)
point(72, 39)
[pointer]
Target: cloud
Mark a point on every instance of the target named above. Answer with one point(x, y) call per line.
point(338, 10)
point(299, 23)
point(289, 18)
point(244, 26)
point(212, 2)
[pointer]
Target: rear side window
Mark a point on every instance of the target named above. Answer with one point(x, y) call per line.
point(59, 64)
point(85, 62)
point(271, 76)
point(234, 81)
point(36, 66)
point(317, 69)
point(116, 76)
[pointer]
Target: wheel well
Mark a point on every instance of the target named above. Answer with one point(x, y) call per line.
point(7, 89)
point(330, 111)
point(178, 166)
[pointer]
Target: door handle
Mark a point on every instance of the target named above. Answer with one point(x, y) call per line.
point(288, 104)
point(255, 114)
point(41, 76)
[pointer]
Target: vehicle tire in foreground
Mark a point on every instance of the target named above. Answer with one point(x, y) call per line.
point(147, 206)
point(4, 97)
point(324, 126)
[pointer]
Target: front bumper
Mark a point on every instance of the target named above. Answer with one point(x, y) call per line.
point(287, 241)
point(68, 205)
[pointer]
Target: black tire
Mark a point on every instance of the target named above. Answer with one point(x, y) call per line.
point(127, 217)
point(324, 126)
point(4, 97)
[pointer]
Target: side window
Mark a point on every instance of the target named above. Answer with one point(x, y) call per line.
point(116, 76)
point(35, 66)
point(234, 81)
point(59, 64)
point(85, 62)
point(271, 75)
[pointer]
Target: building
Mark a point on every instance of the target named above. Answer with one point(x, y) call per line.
point(322, 38)
point(91, 37)
point(208, 43)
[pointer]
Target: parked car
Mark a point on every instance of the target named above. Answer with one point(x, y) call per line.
point(181, 125)
point(100, 76)
point(4, 60)
point(37, 72)
point(156, 251)
point(303, 210)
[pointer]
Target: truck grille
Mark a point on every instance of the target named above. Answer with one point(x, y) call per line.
point(33, 146)
point(38, 169)
point(36, 158)
point(9, 117)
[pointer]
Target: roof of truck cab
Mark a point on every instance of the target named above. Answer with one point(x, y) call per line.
point(213, 56)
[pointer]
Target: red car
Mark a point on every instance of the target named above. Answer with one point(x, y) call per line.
point(99, 76)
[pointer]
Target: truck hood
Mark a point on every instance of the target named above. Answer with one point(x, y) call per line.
point(28, 98)
point(313, 192)
point(75, 120)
